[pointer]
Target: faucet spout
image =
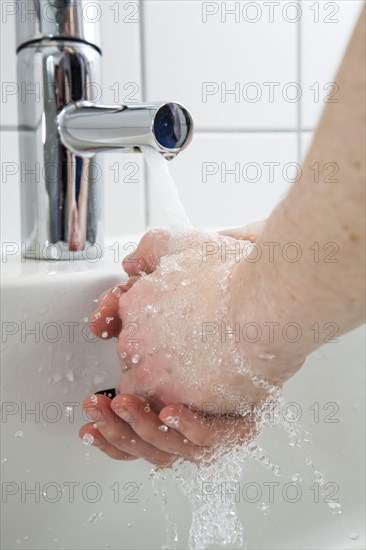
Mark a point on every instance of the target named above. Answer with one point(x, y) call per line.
point(87, 129)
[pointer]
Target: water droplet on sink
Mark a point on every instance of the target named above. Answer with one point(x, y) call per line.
point(97, 516)
point(296, 478)
point(98, 379)
point(19, 434)
point(4, 460)
point(68, 411)
point(334, 507)
point(353, 536)
point(70, 375)
point(57, 376)
point(263, 507)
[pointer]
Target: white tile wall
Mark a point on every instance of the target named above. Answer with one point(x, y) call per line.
point(157, 49)
point(197, 58)
point(326, 28)
point(230, 179)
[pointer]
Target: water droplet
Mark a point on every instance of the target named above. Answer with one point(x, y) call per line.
point(87, 456)
point(85, 319)
point(98, 379)
point(163, 428)
point(19, 434)
point(70, 375)
point(297, 478)
point(293, 439)
point(353, 536)
point(88, 439)
point(104, 334)
point(95, 300)
point(147, 408)
point(185, 441)
point(68, 411)
point(334, 507)
point(93, 399)
point(123, 355)
point(185, 282)
point(57, 376)
point(129, 524)
point(97, 315)
point(133, 441)
point(135, 359)
point(4, 460)
point(108, 320)
point(263, 507)
point(318, 476)
point(97, 516)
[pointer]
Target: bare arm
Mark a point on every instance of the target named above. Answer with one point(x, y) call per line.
point(330, 288)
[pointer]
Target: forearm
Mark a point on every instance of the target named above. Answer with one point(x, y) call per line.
point(322, 285)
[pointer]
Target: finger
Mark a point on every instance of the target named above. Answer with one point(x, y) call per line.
point(146, 423)
point(209, 430)
point(120, 434)
point(105, 321)
point(98, 441)
point(151, 248)
point(250, 232)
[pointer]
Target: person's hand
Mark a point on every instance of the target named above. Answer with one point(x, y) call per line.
point(207, 430)
point(126, 428)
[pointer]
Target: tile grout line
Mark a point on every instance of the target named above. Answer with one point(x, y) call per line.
point(299, 80)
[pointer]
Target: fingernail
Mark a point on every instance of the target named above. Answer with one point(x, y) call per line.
point(172, 421)
point(94, 413)
point(128, 257)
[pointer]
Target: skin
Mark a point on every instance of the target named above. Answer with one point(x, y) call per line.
point(312, 290)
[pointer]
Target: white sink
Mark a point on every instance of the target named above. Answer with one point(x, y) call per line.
point(47, 455)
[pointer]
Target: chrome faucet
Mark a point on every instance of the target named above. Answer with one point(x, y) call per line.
point(62, 128)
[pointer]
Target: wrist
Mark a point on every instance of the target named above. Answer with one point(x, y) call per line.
point(271, 342)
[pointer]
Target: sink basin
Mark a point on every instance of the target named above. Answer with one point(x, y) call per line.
point(60, 493)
